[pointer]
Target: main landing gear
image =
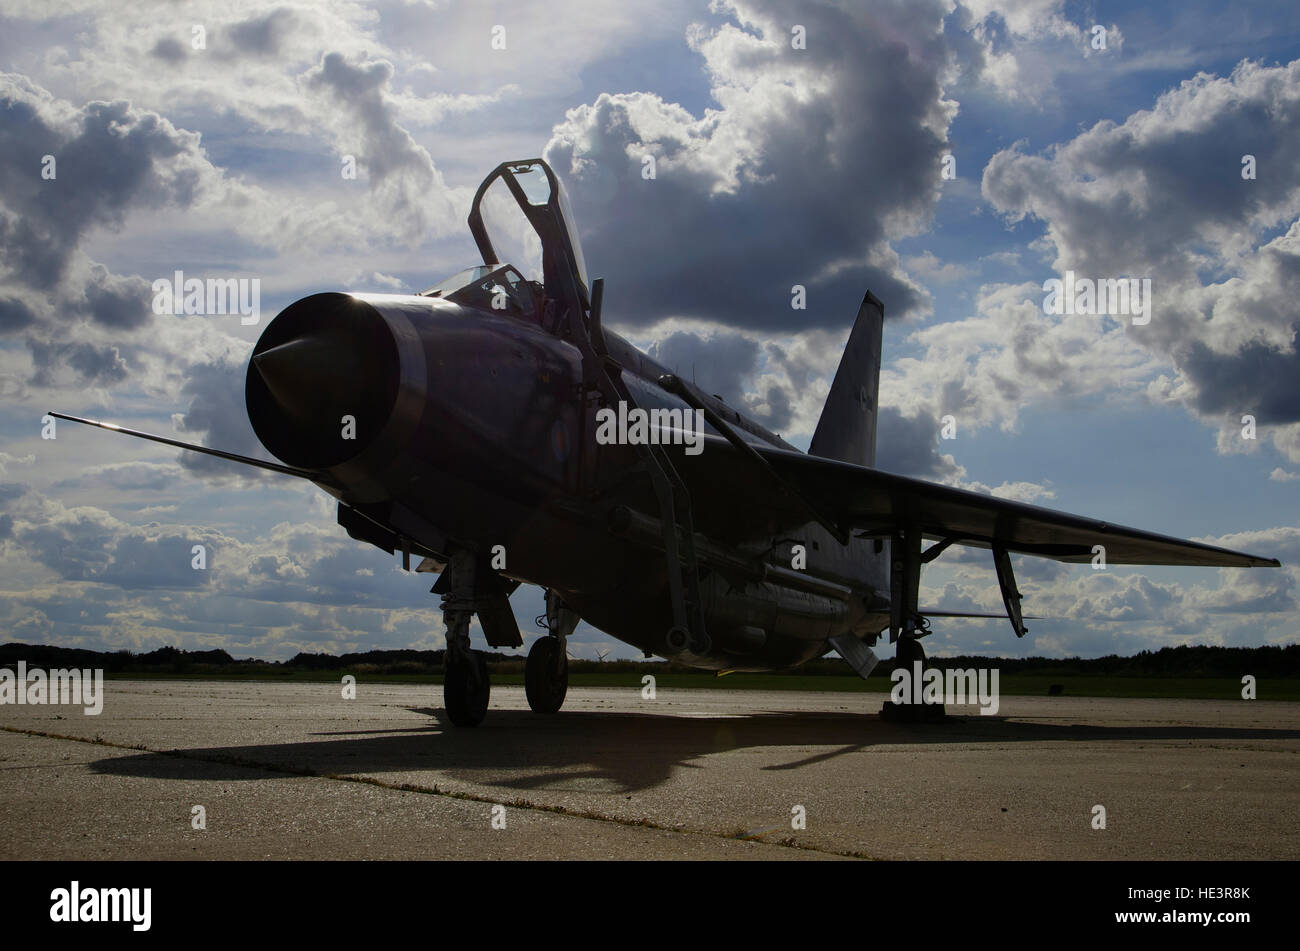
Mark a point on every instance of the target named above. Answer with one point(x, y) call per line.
point(546, 675)
point(907, 626)
point(908, 652)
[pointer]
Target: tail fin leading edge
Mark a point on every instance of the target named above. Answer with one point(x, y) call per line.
point(847, 428)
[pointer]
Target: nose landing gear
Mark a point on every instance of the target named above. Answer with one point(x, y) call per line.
point(546, 675)
point(466, 689)
point(465, 685)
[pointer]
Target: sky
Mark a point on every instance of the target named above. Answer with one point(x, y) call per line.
point(950, 156)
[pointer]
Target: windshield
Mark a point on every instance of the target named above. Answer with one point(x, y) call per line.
point(500, 289)
point(450, 285)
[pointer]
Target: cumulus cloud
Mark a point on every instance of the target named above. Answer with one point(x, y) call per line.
point(407, 187)
point(81, 323)
point(1026, 46)
point(928, 267)
point(984, 369)
point(1162, 195)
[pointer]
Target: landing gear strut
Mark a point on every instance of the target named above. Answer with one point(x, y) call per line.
point(465, 685)
point(907, 626)
point(546, 675)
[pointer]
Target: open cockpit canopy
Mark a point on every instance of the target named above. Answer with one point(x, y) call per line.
point(541, 197)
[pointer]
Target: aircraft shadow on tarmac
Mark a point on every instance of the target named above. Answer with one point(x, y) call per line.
point(623, 752)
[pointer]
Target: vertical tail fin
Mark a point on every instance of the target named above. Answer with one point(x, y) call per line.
point(847, 428)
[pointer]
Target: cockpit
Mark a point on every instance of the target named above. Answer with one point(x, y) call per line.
point(495, 287)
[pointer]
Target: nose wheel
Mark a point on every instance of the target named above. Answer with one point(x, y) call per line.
point(546, 675)
point(465, 684)
point(466, 689)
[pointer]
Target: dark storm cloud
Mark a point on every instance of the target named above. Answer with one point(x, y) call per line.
point(1260, 377)
point(1257, 379)
point(388, 148)
point(28, 257)
point(721, 363)
point(87, 544)
point(90, 364)
point(161, 561)
point(908, 445)
point(108, 158)
point(779, 412)
point(14, 315)
point(118, 302)
point(794, 181)
point(76, 548)
point(360, 84)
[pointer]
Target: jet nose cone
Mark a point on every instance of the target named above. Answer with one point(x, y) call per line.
point(322, 380)
point(309, 372)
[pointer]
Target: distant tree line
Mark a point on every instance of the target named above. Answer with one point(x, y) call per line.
point(1197, 661)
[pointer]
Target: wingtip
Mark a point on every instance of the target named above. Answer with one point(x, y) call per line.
point(1258, 561)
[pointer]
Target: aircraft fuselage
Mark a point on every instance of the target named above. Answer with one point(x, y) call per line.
point(487, 443)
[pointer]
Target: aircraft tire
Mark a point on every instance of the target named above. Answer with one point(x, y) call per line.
point(908, 652)
point(677, 639)
point(465, 697)
point(545, 687)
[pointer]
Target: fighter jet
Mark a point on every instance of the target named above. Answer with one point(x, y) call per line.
point(493, 428)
